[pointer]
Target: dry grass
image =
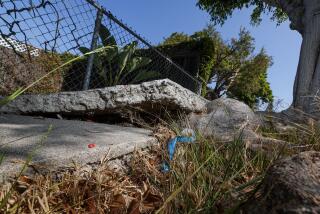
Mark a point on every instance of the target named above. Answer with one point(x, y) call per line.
point(100, 191)
point(205, 177)
point(17, 72)
point(301, 135)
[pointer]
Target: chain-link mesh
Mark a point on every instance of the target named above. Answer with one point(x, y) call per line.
point(36, 36)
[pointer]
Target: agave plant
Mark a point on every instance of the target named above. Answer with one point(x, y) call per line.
point(120, 65)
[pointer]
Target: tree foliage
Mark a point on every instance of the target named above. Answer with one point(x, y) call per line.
point(220, 10)
point(251, 85)
point(303, 17)
point(230, 68)
point(175, 38)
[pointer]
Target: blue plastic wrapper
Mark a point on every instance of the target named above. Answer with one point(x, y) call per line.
point(172, 146)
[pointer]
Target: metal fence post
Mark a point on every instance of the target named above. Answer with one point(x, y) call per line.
point(94, 41)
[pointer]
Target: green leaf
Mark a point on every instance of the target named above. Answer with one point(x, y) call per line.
point(138, 62)
point(109, 54)
point(125, 55)
point(84, 50)
point(13, 96)
point(145, 75)
point(1, 158)
point(106, 36)
point(133, 65)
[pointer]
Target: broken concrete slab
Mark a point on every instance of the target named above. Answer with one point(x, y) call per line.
point(149, 96)
point(66, 143)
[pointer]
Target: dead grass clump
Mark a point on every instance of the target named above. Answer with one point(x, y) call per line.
point(21, 71)
point(102, 191)
point(205, 177)
point(146, 165)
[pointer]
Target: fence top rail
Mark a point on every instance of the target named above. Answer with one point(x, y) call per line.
point(112, 17)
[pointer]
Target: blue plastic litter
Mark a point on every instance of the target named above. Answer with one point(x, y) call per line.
point(165, 167)
point(172, 146)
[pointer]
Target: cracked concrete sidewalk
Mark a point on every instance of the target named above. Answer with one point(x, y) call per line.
point(66, 143)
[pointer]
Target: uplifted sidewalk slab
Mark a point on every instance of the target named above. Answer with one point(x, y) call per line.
point(66, 143)
point(149, 96)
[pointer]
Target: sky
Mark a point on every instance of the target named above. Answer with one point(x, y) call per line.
point(155, 20)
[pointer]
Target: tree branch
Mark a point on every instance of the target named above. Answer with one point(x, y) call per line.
point(272, 3)
point(294, 10)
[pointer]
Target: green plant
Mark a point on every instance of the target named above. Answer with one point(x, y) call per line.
point(120, 65)
point(209, 177)
point(231, 69)
point(251, 85)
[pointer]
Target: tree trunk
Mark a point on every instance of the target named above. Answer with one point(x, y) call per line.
point(307, 81)
point(305, 18)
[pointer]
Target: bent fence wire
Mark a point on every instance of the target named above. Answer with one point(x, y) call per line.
point(38, 35)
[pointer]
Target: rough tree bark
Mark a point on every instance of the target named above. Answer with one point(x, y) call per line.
point(304, 16)
point(307, 81)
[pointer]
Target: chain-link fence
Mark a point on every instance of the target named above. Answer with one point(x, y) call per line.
point(36, 36)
